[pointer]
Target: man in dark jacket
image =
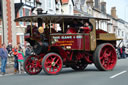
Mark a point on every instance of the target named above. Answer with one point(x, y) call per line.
point(123, 52)
point(3, 55)
point(9, 48)
point(28, 50)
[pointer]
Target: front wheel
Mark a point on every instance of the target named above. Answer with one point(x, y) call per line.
point(32, 65)
point(52, 63)
point(105, 57)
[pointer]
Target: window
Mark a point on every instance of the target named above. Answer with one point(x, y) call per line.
point(27, 12)
point(20, 15)
point(22, 40)
point(122, 33)
point(70, 9)
point(118, 32)
point(30, 2)
point(49, 4)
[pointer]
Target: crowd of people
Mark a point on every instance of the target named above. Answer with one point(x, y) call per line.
point(18, 55)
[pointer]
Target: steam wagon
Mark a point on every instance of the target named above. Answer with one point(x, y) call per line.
point(73, 45)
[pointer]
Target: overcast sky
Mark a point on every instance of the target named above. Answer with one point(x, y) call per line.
point(121, 7)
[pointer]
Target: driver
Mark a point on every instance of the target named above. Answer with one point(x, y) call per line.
point(74, 26)
point(86, 28)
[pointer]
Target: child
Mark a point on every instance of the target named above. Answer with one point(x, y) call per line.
point(20, 60)
point(15, 52)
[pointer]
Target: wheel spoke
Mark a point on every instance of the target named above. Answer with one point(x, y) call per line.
point(109, 53)
point(48, 62)
point(49, 66)
point(56, 61)
point(101, 57)
point(33, 65)
point(53, 59)
point(54, 69)
point(50, 69)
point(52, 63)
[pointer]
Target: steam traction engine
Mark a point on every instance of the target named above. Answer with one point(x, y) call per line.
point(75, 49)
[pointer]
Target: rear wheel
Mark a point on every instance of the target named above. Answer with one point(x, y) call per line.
point(32, 65)
point(52, 63)
point(105, 57)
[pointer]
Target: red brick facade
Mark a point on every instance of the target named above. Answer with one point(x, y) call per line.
point(18, 39)
point(9, 20)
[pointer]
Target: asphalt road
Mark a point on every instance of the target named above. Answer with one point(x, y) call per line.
point(91, 76)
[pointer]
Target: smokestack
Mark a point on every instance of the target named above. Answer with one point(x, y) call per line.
point(103, 7)
point(113, 12)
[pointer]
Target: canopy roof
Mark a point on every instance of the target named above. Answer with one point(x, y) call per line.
point(55, 18)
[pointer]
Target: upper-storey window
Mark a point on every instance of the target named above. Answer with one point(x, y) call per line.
point(20, 15)
point(70, 9)
point(50, 4)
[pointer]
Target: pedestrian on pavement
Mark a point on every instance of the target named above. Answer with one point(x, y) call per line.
point(19, 46)
point(9, 48)
point(123, 52)
point(4, 56)
point(20, 60)
point(15, 52)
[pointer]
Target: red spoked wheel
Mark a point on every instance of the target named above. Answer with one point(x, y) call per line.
point(32, 65)
point(105, 57)
point(52, 63)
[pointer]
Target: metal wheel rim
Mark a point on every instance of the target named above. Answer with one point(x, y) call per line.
point(53, 64)
point(33, 65)
point(108, 57)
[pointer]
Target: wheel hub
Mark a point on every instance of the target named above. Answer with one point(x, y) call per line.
point(53, 63)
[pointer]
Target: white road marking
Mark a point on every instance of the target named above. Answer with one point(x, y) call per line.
point(118, 74)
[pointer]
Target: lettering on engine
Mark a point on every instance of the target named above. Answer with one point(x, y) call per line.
point(67, 37)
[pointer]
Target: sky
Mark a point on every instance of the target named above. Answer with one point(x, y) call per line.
point(121, 7)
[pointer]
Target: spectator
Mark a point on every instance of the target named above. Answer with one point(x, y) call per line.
point(28, 50)
point(20, 60)
point(18, 46)
point(3, 55)
point(123, 52)
point(119, 52)
point(126, 51)
point(14, 50)
point(10, 54)
point(9, 48)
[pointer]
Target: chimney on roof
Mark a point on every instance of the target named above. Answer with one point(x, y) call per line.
point(89, 2)
point(113, 12)
point(103, 6)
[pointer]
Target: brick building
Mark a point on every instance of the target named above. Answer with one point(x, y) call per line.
point(11, 32)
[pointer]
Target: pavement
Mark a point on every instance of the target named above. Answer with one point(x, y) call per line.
point(9, 67)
